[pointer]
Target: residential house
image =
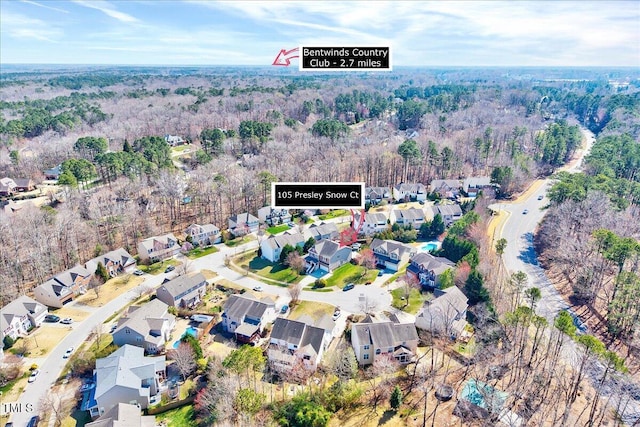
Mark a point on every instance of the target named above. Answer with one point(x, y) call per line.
point(446, 188)
point(148, 326)
point(126, 376)
point(203, 235)
point(445, 314)
point(174, 140)
point(272, 216)
point(21, 315)
point(7, 187)
point(410, 192)
point(24, 184)
point(322, 231)
point(472, 185)
point(116, 262)
point(243, 224)
point(183, 291)
point(158, 248)
point(413, 216)
point(327, 255)
point(391, 254)
point(449, 213)
point(62, 288)
point(293, 342)
point(245, 316)
point(326, 323)
point(426, 269)
point(373, 223)
point(273, 245)
point(11, 207)
point(373, 339)
point(124, 415)
point(53, 173)
point(375, 195)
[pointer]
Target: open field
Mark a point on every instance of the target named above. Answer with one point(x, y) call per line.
point(350, 273)
point(263, 268)
point(311, 308)
point(111, 289)
point(200, 252)
point(158, 267)
point(416, 299)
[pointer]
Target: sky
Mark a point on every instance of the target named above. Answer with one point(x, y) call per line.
point(421, 33)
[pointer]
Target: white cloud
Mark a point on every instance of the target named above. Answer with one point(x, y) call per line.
point(44, 6)
point(19, 26)
point(106, 8)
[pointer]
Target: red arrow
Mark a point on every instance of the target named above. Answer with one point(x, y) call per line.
point(285, 56)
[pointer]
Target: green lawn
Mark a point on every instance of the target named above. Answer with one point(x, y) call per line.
point(266, 269)
point(416, 299)
point(277, 229)
point(158, 267)
point(314, 309)
point(200, 252)
point(239, 241)
point(179, 417)
point(333, 214)
point(350, 273)
point(468, 349)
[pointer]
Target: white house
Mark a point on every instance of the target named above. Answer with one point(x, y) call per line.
point(20, 316)
point(203, 235)
point(148, 326)
point(410, 191)
point(413, 216)
point(373, 223)
point(271, 247)
point(294, 342)
point(272, 216)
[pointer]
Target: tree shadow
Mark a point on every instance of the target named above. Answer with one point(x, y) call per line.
point(386, 417)
point(528, 255)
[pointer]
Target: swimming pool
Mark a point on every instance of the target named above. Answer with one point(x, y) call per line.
point(431, 246)
point(483, 395)
point(189, 331)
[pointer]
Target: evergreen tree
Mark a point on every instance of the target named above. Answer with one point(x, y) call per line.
point(101, 272)
point(396, 398)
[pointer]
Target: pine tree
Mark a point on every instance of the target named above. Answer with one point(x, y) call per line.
point(102, 272)
point(396, 398)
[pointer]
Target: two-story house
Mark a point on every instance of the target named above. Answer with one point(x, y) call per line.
point(446, 188)
point(183, 291)
point(410, 192)
point(124, 415)
point(7, 186)
point(375, 195)
point(126, 376)
point(148, 326)
point(274, 216)
point(271, 247)
point(158, 248)
point(375, 222)
point(445, 314)
point(174, 140)
point(294, 342)
point(53, 173)
point(203, 235)
point(63, 287)
point(391, 254)
point(426, 269)
point(243, 224)
point(322, 231)
point(19, 316)
point(370, 340)
point(116, 262)
point(327, 255)
point(449, 213)
point(245, 316)
point(474, 184)
point(413, 216)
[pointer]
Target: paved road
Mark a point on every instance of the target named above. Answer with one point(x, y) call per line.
point(520, 255)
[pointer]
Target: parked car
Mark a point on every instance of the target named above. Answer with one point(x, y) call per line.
point(356, 246)
point(34, 421)
point(66, 321)
point(284, 309)
point(540, 197)
point(169, 269)
point(51, 318)
point(9, 424)
point(68, 353)
point(526, 211)
point(380, 273)
point(138, 272)
point(33, 375)
point(348, 287)
point(113, 328)
point(257, 288)
point(336, 314)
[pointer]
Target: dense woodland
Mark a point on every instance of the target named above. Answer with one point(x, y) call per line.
point(249, 127)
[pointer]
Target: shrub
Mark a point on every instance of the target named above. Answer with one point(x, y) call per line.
point(320, 283)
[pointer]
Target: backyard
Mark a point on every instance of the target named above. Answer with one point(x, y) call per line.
point(350, 273)
point(179, 417)
point(414, 302)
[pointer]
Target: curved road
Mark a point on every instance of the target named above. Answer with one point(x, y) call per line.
point(520, 255)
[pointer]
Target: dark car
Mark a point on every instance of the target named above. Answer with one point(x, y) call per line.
point(380, 273)
point(284, 309)
point(9, 424)
point(33, 422)
point(348, 287)
point(169, 269)
point(51, 318)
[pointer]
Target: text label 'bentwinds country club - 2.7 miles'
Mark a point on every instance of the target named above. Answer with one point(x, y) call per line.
point(345, 58)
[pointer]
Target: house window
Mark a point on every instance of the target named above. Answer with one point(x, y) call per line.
point(127, 331)
point(139, 339)
point(366, 357)
point(307, 357)
point(366, 347)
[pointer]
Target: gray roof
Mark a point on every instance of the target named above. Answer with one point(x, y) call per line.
point(243, 218)
point(322, 229)
point(430, 262)
point(446, 184)
point(124, 415)
point(409, 214)
point(126, 367)
point(476, 181)
point(377, 192)
point(204, 228)
point(239, 306)
point(282, 240)
point(20, 307)
point(119, 256)
point(164, 239)
point(452, 296)
point(68, 277)
point(183, 283)
point(408, 187)
point(146, 317)
point(385, 334)
point(390, 246)
point(297, 333)
point(446, 210)
point(313, 338)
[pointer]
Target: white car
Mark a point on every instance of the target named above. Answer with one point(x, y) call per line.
point(33, 375)
point(67, 354)
point(67, 321)
point(257, 288)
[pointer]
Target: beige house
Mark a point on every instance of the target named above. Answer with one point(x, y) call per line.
point(370, 340)
point(64, 287)
point(183, 291)
point(148, 326)
point(158, 248)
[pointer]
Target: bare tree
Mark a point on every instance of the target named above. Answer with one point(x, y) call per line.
point(185, 268)
point(95, 284)
point(295, 262)
point(294, 290)
point(52, 401)
point(184, 358)
point(368, 304)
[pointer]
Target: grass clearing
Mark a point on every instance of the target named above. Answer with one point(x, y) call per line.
point(277, 229)
point(208, 274)
point(13, 389)
point(110, 290)
point(179, 417)
point(311, 308)
point(266, 269)
point(333, 214)
point(200, 252)
point(159, 267)
point(410, 305)
point(44, 339)
point(239, 241)
point(350, 273)
point(76, 419)
point(76, 314)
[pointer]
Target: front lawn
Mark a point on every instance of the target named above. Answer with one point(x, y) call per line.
point(350, 273)
point(277, 229)
point(179, 417)
point(416, 299)
point(333, 214)
point(200, 252)
point(239, 241)
point(158, 267)
point(311, 308)
point(269, 270)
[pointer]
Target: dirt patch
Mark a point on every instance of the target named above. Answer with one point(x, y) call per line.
point(110, 290)
point(75, 312)
point(45, 338)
